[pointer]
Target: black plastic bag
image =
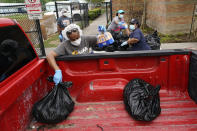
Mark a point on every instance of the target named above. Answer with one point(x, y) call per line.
point(119, 38)
point(153, 40)
point(97, 48)
point(55, 106)
point(110, 48)
point(142, 100)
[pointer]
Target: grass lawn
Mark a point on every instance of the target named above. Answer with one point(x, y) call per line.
point(17, 16)
point(52, 41)
point(165, 38)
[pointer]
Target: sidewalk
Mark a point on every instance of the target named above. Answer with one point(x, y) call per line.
point(186, 45)
point(92, 29)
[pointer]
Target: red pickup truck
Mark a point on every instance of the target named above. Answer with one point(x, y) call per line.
point(98, 83)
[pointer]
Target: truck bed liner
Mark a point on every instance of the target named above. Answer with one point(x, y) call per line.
point(178, 113)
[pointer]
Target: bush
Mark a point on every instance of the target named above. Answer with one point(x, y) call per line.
point(93, 14)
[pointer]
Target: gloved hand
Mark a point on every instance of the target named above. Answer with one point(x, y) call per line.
point(121, 23)
point(126, 26)
point(57, 78)
point(124, 43)
point(60, 37)
point(101, 28)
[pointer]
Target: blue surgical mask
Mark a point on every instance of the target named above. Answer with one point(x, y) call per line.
point(132, 27)
point(121, 16)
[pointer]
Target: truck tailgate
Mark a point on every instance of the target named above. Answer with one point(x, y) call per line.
point(179, 112)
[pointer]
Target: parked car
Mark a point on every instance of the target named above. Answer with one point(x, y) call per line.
point(73, 9)
point(10, 8)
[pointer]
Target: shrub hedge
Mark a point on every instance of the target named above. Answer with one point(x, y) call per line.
point(93, 14)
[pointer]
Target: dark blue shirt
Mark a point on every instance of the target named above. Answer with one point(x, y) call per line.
point(141, 44)
point(63, 21)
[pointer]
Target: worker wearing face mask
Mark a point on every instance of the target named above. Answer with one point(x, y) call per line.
point(62, 22)
point(74, 44)
point(136, 39)
point(117, 23)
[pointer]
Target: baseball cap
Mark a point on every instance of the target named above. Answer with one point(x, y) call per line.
point(63, 11)
point(120, 11)
point(134, 21)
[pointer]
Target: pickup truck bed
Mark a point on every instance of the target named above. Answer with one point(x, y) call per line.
point(99, 104)
point(98, 83)
point(179, 112)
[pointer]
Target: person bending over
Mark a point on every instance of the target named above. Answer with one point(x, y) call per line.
point(74, 44)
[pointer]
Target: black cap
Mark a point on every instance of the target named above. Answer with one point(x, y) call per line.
point(134, 21)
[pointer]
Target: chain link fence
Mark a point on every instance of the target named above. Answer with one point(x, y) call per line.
point(77, 12)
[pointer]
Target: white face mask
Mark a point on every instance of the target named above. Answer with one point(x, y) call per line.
point(121, 16)
point(132, 27)
point(64, 14)
point(76, 42)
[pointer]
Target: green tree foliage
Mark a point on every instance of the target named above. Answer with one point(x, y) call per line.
point(12, 1)
point(22, 1)
point(95, 1)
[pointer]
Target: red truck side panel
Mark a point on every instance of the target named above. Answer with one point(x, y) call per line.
point(89, 76)
point(19, 92)
point(6, 22)
point(97, 89)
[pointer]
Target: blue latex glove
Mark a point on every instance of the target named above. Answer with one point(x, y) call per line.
point(120, 23)
point(57, 78)
point(124, 43)
point(126, 26)
point(60, 37)
point(101, 28)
